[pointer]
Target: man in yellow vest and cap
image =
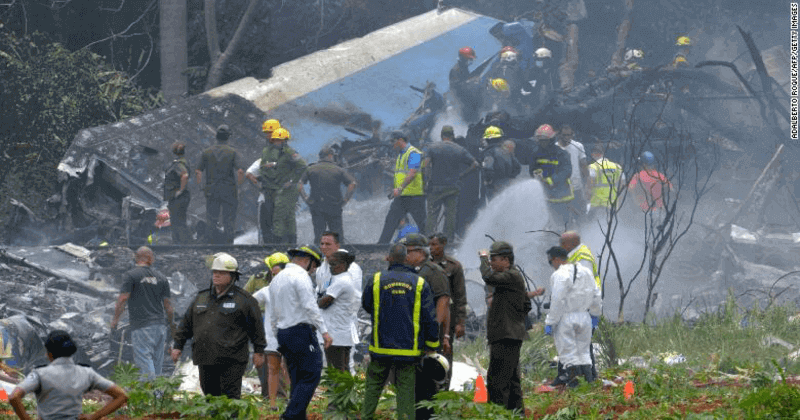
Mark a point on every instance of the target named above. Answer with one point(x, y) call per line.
point(605, 177)
point(408, 195)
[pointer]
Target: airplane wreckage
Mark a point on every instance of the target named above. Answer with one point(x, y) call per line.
point(111, 177)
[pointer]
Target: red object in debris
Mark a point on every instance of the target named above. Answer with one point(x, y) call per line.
point(543, 389)
point(162, 219)
point(3, 394)
point(481, 395)
point(628, 390)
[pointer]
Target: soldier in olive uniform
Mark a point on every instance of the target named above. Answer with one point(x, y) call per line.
point(222, 320)
point(223, 167)
point(325, 200)
point(280, 170)
point(176, 194)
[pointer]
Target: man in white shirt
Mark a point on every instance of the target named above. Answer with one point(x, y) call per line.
point(580, 168)
point(328, 244)
point(252, 175)
point(295, 317)
point(339, 310)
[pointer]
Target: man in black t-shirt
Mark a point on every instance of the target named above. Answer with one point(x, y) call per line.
point(147, 293)
point(447, 164)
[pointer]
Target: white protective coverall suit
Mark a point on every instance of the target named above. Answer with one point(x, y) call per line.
point(574, 297)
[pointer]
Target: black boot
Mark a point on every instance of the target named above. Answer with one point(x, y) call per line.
point(588, 373)
point(561, 376)
point(572, 376)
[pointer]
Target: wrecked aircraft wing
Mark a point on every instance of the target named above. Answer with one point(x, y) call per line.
point(129, 158)
point(358, 86)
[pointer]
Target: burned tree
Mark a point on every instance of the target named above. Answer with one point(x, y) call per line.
point(666, 192)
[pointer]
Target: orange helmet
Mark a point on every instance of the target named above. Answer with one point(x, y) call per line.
point(545, 131)
point(270, 125)
point(466, 52)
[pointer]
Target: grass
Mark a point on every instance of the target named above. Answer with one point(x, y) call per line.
point(727, 374)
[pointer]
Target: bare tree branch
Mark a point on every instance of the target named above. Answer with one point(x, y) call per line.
point(120, 34)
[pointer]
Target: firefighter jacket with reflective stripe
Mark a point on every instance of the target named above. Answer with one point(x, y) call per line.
point(583, 253)
point(403, 314)
point(401, 171)
point(554, 162)
point(604, 182)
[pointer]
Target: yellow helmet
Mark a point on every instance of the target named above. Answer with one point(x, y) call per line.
point(281, 134)
point(500, 85)
point(679, 59)
point(492, 132)
point(275, 259)
point(683, 40)
point(270, 125)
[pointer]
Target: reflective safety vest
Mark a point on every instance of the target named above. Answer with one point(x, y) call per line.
point(605, 182)
point(584, 253)
point(395, 338)
point(401, 171)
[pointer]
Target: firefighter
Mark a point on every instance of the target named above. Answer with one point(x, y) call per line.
point(551, 165)
point(400, 304)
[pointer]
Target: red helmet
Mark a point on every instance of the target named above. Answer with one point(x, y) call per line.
point(545, 131)
point(509, 48)
point(466, 52)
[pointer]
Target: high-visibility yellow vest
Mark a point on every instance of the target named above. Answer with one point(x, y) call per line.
point(605, 182)
point(401, 171)
point(584, 253)
point(375, 346)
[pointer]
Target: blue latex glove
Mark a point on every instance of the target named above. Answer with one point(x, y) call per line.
point(548, 330)
point(595, 321)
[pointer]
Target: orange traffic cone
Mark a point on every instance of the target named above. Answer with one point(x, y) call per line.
point(481, 396)
point(628, 390)
point(3, 395)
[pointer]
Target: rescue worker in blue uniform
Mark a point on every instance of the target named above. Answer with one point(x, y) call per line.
point(400, 303)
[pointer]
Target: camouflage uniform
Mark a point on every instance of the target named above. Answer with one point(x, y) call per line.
point(278, 224)
point(177, 205)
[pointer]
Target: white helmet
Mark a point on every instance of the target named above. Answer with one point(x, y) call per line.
point(435, 367)
point(631, 54)
point(544, 53)
point(508, 56)
point(225, 262)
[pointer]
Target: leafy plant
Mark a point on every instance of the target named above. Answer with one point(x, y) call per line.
point(451, 405)
point(147, 397)
point(344, 391)
point(220, 408)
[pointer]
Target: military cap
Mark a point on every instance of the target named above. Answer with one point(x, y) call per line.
point(501, 248)
point(223, 132)
point(414, 240)
point(448, 131)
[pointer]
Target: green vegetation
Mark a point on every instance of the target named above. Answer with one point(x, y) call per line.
point(728, 373)
point(49, 94)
